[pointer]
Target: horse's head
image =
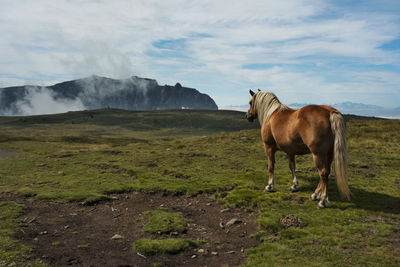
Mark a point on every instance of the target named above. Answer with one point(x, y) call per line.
point(251, 113)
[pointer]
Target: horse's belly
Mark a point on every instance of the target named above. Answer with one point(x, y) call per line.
point(296, 149)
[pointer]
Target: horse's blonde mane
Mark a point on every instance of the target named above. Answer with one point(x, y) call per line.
point(267, 103)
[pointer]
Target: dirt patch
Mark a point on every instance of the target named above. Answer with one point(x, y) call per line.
point(74, 234)
point(290, 221)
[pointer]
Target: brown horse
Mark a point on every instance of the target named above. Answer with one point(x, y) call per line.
point(319, 130)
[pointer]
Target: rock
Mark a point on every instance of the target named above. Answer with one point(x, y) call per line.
point(201, 250)
point(232, 222)
point(225, 210)
point(194, 256)
point(116, 236)
point(214, 253)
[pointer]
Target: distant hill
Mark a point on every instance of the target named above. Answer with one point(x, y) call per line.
point(97, 92)
point(358, 109)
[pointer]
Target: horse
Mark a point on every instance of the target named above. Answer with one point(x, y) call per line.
point(316, 129)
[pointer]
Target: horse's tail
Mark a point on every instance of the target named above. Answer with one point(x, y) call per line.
point(340, 152)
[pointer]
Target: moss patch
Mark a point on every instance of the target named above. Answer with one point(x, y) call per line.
point(162, 222)
point(170, 245)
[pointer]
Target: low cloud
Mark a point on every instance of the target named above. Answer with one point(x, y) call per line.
point(40, 100)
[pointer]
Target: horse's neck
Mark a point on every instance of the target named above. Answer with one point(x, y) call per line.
point(266, 110)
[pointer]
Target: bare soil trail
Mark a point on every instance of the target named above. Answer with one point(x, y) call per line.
point(82, 235)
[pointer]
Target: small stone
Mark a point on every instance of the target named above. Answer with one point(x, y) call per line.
point(201, 250)
point(225, 210)
point(230, 252)
point(43, 233)
point(73, 214)
point(194, 256)
point(174, 233)
point(232, 222)
point(208, 204)
point(214, 253)
point(116, 236)
point(221, 224)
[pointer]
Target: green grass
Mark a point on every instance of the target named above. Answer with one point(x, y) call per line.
point(73, 157)
point(10, 250)
point(163, 246)
point(13, 253)
point(162, 222)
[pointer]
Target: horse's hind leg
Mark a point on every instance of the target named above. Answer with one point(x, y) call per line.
point(317, 193)
point(292, 167)
point(323, 164)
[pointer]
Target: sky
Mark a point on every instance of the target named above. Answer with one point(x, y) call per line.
point(305, 51)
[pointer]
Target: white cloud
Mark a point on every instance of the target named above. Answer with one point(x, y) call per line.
point(52, 40)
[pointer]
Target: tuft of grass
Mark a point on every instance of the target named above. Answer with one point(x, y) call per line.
point(11, 251)
point(162, 222)
point(83, 246)
point(169, 246)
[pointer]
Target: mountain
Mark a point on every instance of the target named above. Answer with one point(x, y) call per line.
point(97, 92)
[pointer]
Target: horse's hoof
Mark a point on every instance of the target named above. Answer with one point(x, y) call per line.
point(323, 203)
point(294, 189)
point(315, 197)
point(269, 188)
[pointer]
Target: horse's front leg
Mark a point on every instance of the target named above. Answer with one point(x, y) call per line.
point(271, 163)
point(292, 167)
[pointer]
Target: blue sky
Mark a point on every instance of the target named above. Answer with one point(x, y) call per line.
point(306, 51)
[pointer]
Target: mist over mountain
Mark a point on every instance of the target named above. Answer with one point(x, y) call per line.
point(97, 92)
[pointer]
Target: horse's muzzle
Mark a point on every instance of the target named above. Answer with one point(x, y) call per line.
point(250, 118)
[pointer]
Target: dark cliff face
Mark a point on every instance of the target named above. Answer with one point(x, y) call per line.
point(97, 92)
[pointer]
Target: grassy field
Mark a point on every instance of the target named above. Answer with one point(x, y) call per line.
point(86, 156)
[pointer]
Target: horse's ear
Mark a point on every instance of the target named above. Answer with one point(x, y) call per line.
point(251, 92)
point(259, 90)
